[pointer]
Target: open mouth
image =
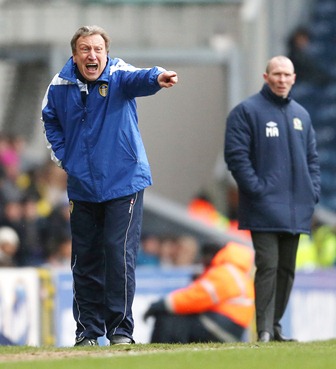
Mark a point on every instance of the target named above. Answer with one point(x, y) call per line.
point(92, 67)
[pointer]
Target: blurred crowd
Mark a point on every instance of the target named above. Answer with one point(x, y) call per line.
point(35, 221)
point(317, 250)
point(34, 212)
point(168, 250)
point(35, 217)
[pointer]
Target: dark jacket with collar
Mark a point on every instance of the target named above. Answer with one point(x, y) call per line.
point(270, 148)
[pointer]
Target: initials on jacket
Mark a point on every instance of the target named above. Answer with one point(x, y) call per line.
point(270, 150)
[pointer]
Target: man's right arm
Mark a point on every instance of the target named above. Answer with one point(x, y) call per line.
point(52, 128)
point(237, 151)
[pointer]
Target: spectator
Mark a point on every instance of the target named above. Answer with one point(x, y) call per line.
point(9, 244)
point(308, 68)
point(202, 209)
point(149, 253)
point(186, 251)
point(32, 251)
point(57, 223)
point(324, 240)
point(12, 214)
point(3, 192)
point(60, 251)
point(9, 157)
point(168, 250)
point(218, 306)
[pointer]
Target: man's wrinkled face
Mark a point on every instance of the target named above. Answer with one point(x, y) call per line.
point(90, 56)
point(280, 77)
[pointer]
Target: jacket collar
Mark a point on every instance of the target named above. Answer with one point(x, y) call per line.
point(268, 94)
point(68, 72)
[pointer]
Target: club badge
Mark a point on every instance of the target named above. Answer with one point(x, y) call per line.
point(297, 124)
point(103, 89)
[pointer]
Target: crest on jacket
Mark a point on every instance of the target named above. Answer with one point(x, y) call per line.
point(297, 124)
point(103, 89)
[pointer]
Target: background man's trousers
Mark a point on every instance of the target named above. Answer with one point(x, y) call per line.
point(275, 257)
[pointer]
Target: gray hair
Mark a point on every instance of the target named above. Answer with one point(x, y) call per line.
point(88, 31)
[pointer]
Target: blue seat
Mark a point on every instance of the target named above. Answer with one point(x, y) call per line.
point(321, 102)
point(324, 9)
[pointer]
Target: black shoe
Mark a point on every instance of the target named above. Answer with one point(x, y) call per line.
point(264, 336)
point(118, 339)
point(83, 341)
point(281, 338)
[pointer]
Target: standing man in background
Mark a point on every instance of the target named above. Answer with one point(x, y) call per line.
point(270, 149)
point(91, 125)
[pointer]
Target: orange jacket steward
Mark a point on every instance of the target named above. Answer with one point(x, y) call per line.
point(225, 287)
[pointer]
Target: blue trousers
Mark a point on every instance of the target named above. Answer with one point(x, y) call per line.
point(105, 242)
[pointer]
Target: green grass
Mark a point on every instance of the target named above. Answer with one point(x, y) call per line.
point(312, 355)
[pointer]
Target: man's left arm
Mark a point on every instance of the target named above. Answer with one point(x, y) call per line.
point(138, 82)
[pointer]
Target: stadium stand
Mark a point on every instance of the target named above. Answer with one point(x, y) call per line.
point(319, 99)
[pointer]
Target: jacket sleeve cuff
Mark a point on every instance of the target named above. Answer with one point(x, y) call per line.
point(168, 301)
point(157, 71)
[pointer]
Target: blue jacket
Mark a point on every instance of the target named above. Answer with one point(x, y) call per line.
point(92, 130)
point(270, 149)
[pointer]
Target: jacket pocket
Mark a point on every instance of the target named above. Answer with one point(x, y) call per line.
point(128, 147)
